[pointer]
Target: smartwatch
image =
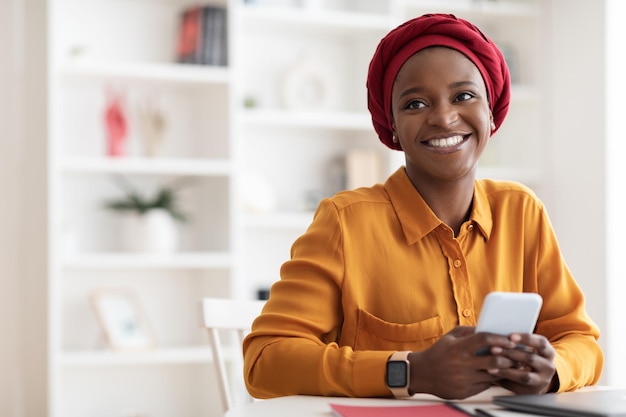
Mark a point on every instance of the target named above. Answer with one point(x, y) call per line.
point(397, 375)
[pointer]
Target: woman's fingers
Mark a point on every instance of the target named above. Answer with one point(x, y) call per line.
point(532, 367)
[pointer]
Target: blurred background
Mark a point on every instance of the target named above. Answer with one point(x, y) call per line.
point(154, 152)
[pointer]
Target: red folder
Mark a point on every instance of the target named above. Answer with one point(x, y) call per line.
point(438, 410)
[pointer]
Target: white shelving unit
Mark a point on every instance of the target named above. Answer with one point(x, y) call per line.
point(255, 144)
point(128, 46)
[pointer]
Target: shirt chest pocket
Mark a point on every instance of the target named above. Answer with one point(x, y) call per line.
point(373, 333)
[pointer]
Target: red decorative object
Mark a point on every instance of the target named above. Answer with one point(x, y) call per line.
point(116, 125)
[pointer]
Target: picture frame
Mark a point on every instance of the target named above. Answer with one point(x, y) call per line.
point(122, 319)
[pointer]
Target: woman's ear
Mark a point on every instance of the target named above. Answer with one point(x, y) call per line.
point(394, 135)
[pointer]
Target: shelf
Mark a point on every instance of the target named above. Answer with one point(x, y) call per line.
point(285, 220)
point(322, 21)
point(160, 166)
point(146, 71)
point(318, 119)
point(181, 260)
point(157, 356)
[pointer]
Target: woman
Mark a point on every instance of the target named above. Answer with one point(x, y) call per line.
point(396, 274)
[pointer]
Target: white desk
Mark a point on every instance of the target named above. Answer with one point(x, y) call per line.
point(307, 406)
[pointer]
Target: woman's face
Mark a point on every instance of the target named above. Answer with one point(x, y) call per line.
point(440, 114)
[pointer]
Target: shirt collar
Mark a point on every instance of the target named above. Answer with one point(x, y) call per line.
point(416, 217)
point(481, 210)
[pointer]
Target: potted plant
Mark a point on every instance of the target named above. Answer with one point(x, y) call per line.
point(149, 222)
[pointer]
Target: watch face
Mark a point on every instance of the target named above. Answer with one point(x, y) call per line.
point(396, 374)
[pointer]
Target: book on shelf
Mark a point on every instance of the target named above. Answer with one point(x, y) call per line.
point(363, 168)
point(188, 35)
point(202, 36)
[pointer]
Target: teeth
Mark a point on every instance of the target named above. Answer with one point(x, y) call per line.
point(446, 142)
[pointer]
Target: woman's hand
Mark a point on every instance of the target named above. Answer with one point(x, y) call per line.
point(533, 371)
point(451, 369)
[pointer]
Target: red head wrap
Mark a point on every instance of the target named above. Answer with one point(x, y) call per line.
point(422, 32)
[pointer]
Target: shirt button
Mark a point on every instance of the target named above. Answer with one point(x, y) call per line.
point(470, 227)
point(457, 263)
point(467, 312)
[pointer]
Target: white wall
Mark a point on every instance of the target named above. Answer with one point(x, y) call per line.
point(577, 150)
point(9, 155)
point(33, 211)
point(23, 218)
point(616, 190)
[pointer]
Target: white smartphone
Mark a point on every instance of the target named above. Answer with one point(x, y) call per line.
point(509, 312)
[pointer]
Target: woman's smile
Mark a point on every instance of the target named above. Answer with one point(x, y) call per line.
point(449, 143)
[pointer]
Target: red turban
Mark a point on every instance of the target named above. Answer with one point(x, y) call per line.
point(422, 32)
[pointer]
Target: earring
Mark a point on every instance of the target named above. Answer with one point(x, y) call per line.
point(493, 125)
point(394, 138)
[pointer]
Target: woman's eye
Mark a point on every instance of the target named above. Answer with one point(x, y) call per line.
point(415, 104)
point(464, 96)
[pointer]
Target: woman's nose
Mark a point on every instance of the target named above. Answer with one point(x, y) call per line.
point(443, 115)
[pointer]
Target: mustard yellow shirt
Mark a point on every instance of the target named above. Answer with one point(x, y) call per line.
point(378, 272)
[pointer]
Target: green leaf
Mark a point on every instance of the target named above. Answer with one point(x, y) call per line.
point(165, 199)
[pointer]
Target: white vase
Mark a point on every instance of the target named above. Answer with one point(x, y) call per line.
point(153, 232)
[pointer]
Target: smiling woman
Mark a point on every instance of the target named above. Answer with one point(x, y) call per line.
point(390, 279)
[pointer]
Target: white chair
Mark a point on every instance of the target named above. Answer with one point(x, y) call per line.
point(235, 317)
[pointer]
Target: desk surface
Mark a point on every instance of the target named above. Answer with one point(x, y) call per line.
point(308, 406)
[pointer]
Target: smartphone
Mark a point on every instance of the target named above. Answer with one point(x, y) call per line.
point(509, 312)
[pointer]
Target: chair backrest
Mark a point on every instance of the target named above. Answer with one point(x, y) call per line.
point(234, 316)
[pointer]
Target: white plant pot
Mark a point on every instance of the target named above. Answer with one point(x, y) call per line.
point(153, 232)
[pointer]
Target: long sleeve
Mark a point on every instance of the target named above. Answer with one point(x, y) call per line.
point(563, 320)
point(296, 336)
